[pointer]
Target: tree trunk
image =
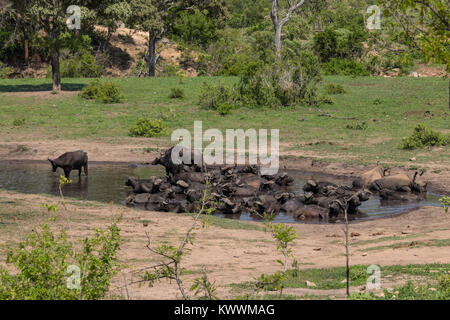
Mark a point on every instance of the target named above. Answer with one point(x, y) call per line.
point(26, 51)
point(277, 41)
point(56, 74)
point(151, 54)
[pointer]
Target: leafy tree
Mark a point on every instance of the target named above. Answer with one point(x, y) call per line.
point(426, 25)
point(110, 13)
point(47, 266)
point(50, 18)
point(279, 22)
point(157, 17)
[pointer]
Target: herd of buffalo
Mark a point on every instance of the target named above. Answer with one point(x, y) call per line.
point(233, 190)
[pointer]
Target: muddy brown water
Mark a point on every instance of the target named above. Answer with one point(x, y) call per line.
point(106, 183)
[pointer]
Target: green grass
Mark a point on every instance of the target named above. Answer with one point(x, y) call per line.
point(412, 244)
point(333, 278)
point(411, 291)
point(230, 223)
point(400, 105)
point(389, 238)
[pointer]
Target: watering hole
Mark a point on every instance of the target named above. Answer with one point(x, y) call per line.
point(106, 183)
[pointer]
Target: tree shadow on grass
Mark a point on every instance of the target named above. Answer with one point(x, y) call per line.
point(40, 87)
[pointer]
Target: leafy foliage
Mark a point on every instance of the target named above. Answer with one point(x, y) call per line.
point(83, 66)
point(284, 236)
point(335, 89)
point(176, 93)
point(445, 201)
point(285, 83)
point(423, 136)
point(145, 127)
point(43, 264)
point(102, 91)
point(212, 96)
point(204, 288)
point(337, 66)
point(357, 126)
point(337, 43)
point(18, 122)
point(5, 71)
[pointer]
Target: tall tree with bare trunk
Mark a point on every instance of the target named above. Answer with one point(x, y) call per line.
point(280, 16)
point(157, 17)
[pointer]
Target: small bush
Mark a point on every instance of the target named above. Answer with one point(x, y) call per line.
point(79, 66)
point(358, 126)
point(212, 96)
point(423, 136)
point(5, 72)
point(225, 109)
point(106, 92)
point(335, 89)
point(338, 43)
point(170, 70)
point(19, 122)
point(46, 263)
point(176, 93)
point(325, 100)
point(344, 67)
point(145, 127)
point(445, 201)
point(285, 83)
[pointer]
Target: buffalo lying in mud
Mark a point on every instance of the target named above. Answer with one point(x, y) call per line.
point(233, 190)
point(69, 161)
point(399, 187)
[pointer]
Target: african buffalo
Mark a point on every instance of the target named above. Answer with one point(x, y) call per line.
point(69, 161)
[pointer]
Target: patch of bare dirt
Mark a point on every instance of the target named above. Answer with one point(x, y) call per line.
point(230, 255)
point(424, 70)
point(134, 43)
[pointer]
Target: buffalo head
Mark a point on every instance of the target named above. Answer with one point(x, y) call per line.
point(54, 166)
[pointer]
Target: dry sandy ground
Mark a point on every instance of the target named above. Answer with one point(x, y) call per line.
point(229, 255)
point(136, 150)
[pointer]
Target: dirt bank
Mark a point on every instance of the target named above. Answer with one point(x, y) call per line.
point(233, 253)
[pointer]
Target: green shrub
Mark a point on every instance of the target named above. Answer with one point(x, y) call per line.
point(325, 100)
point(423, 136)
point(43, 266)
point(106, 92)
point(358, 126)
point(79, 66)
point(5, 71)
point(285, 83)
point(334, 89)
point(195, 27)
point(445, 201)
point(214, 95)
point(225, 109)
point(176, 93)
point(338, 43)
point(170, 70)
point(145, 127)
point(337, 66)
point(18, 122)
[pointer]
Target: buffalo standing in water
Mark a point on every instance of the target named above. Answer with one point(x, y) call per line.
point(71, 161)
